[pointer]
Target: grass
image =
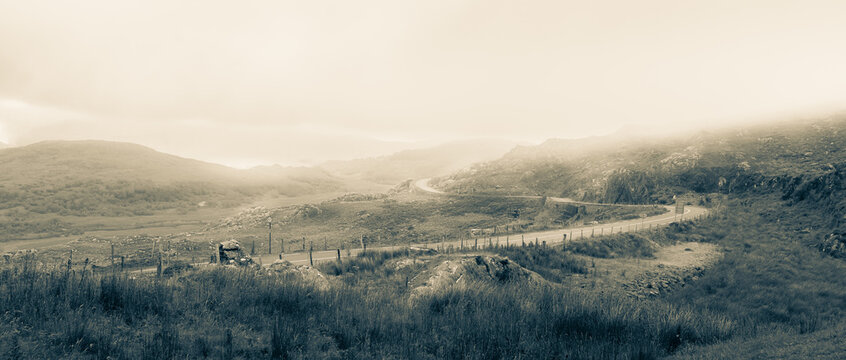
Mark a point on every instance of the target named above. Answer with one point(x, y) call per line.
point(244, 313)
point(363, 262)
point(772, 285)
point(637, 245)
point(552, 263)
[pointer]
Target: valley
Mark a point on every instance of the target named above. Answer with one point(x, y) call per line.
point(676, 251)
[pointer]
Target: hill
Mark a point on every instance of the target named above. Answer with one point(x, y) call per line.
point(621, 169)
point(419, 163)
point(113, 179)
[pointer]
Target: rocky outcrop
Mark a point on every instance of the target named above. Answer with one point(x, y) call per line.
point(305, 273)
point(834, 244)
point(662, 280)
point(466, 270)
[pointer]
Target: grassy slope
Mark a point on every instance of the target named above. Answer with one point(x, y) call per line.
point(45, 185)
point(240, 313)
point(620, 169)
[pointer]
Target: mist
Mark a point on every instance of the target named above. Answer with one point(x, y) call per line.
point(262, 82)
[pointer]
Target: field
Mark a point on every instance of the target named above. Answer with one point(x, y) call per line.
point(367, 310)
point(331, 222)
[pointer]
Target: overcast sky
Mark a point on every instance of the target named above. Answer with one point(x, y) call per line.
point(252, 82)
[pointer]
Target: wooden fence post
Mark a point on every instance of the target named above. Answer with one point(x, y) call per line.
point(339, 256)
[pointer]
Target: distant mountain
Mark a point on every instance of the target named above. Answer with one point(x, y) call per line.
point(626, 169)
point(112, 178)
point(420, 163)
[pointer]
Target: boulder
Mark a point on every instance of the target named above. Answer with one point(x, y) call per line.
point(308, 274)
point(230, 254)
point(492, 269)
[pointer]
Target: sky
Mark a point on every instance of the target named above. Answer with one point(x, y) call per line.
point(299, 82)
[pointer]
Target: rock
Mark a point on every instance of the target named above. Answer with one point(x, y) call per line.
point(231, 245)
point(468, 269)
point(305, 273)
point(230, 254)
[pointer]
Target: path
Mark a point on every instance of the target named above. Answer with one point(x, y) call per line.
point(551, 237)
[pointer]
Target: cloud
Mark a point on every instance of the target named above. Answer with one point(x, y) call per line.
point(356, 74)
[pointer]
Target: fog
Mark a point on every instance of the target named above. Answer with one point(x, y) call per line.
point(300, 82)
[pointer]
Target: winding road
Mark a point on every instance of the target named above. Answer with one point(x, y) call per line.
point(550, 237)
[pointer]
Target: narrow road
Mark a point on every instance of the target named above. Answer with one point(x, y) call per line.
point(556, 236)
point(550, 237)
point(423, 184)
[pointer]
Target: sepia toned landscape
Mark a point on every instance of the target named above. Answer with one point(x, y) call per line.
point(401, 180)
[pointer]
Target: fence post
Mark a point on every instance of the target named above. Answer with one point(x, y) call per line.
point(476, 244)
point(310, 259)
point(339, 256)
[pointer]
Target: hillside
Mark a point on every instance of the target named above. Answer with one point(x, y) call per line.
point(113, 179)
point(620, 169)
point(419, 163)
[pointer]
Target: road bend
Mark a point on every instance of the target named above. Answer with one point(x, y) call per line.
point(550, 237)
